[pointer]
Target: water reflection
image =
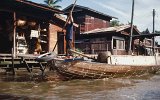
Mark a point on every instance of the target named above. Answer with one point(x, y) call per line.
point(26, 87)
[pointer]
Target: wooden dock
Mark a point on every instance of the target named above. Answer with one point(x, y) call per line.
point(27, 61)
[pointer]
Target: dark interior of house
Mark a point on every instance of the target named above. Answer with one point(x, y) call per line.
point(6, 30)
point(25, 43)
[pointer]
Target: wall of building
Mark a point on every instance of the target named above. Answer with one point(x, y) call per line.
point(119, 52)
point(94, 45)
point(92, 23)
point(53, 30)
point(87, 22)
point(134, 60)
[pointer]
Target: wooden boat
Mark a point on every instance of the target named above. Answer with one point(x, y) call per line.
point(117, 65)
point(79, 68)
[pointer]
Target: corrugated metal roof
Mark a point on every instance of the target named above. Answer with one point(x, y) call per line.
point(109, 29)
point(146, 35)
point(89, 9)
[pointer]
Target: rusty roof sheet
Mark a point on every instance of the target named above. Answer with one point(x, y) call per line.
point(110, 29)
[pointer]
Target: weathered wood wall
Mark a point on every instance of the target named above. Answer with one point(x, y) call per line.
point(53, 31)
point(90, 22)
point(94, 47)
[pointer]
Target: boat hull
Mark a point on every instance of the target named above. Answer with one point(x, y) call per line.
point(83, 69)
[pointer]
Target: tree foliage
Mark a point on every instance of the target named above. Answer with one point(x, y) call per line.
point(115, 23)
point(146, 31)
point(53, 3)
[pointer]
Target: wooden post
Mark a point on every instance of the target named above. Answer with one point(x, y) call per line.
point(14, 42)
point(14, 34)
point(130, 42)
point(107, 46)
point(13, 71)
point(139, 46)
point(153, 31)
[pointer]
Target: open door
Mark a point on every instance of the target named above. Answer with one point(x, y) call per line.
point(61, 43)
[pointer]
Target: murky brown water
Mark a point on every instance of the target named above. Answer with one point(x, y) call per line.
point(27, 87)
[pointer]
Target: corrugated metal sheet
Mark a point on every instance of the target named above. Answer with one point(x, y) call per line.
point(110, 29)
point(86, 8)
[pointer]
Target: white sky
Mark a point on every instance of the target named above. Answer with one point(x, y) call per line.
point(122, 10)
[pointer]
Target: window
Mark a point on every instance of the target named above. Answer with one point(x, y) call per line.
point(118, 44)
point(114, 43)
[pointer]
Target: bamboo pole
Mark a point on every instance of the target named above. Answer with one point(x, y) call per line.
point(68, 16)
point(73, 51)
point(65, 23)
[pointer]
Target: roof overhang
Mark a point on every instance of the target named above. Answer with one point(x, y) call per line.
point(145, 35)
point(63, 19)
point(123, 29)
point(28, 7)
point(67, 10)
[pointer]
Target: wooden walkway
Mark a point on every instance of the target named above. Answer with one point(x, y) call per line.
point(10, 63)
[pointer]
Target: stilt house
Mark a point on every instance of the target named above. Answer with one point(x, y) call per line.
point(95, 34)
point(22, 21)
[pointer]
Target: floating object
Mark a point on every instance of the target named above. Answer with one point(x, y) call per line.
point(46, 57)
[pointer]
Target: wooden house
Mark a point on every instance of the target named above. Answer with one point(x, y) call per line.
point(88, 19)
point(114, 39)
point(58, 40)
point(144, 45)
point(22, 21)
point(95, 34)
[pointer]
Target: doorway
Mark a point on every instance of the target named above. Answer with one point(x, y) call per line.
point(60, 36)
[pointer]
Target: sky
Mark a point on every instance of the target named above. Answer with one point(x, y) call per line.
point(122, 9)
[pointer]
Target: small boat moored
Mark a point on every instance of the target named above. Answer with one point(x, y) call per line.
point(79, 68)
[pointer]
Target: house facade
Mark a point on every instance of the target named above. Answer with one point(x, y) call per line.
point(22, 21)
point(145, 44)
point(88, 19)
point(114, 39)
point(95, 35)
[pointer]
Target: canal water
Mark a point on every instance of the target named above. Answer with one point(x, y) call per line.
point(25, 86)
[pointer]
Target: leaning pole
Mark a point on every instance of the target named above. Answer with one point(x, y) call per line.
point(65, 24)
